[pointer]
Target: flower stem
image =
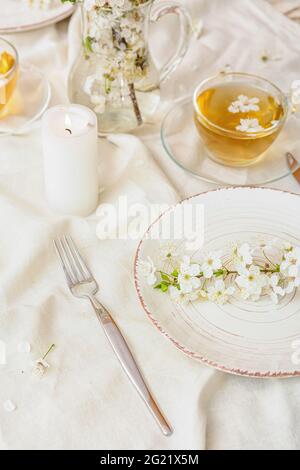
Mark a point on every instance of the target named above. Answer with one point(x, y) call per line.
point(136, 108)
point(49, 350)
point(166, 274)
point(118, 41)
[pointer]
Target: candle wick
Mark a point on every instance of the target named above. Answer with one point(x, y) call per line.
point(68, 130)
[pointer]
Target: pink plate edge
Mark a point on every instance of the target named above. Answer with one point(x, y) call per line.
point(191, 354)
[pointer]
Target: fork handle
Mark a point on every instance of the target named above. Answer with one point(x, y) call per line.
point(128, 363)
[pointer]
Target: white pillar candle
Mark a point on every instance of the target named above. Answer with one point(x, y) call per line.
point(70, 159)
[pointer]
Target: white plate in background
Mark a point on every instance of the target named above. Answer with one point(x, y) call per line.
point(16, 16)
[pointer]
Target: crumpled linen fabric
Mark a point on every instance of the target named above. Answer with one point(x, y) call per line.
point(85, 401)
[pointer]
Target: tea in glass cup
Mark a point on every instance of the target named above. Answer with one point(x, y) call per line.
point(8, 74)
point(238, 117)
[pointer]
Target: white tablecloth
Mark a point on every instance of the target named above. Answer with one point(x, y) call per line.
point(85, 400)
point(288, 7)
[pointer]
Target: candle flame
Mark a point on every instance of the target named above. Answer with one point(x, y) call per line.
point(68, 122)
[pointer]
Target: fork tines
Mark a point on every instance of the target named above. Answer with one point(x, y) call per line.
point(74, 267)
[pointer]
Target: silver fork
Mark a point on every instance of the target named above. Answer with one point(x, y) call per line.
point(83, 285)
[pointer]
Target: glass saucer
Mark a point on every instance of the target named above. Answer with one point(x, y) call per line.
point(183, 144)
point(29, 101)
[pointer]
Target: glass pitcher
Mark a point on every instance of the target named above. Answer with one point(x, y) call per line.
point(115, 74)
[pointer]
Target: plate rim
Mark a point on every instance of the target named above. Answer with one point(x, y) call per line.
point(202, 359)
point(41, 24)
point(19, 130)
point(180, 102)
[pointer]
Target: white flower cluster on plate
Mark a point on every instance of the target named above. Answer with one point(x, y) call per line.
point(248, 273)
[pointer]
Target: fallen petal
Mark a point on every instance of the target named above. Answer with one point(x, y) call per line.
point(24, 347)
point(9, 406)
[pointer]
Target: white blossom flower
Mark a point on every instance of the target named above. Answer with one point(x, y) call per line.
point(244, 105)
point(95, 33)
point(187, 278)
point(117, 3)
point(242, 257)
point(40, 368)
point(102, 23)
point(273, 246)
point(287, 247)
point(169, 251)
point(291, 264)
point(219, 293)
point(211, 263)
point(291, 286)
point(277, 250)
point(89, 84)
point(276, 289)
point(251, 126)
point(201, 295)
point(89, 4)
point(100, 102)
point(252, 283)
point(180, 297)
point(148, 270)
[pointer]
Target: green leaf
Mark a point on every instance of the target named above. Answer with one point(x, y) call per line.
point(88, 44)
point(219, 273)
point(175, 273)
point(165, 277)
point(68, 1)
point(163, 286)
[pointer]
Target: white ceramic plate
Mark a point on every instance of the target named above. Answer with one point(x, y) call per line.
point(245, 338)
point(16, 16)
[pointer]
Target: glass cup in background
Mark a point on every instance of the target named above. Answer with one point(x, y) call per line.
point(9, 66)
point(224, 144)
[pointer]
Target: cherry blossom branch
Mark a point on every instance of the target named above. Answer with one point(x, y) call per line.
point(250, 273)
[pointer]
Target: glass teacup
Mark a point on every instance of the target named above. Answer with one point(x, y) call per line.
point(9, 64)
point(238, 117)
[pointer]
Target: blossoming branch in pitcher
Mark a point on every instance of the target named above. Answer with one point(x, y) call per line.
point(248, 273)
point(114, 32)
